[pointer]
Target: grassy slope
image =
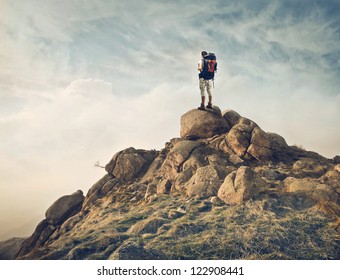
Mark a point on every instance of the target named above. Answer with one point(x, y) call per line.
point(269, 228)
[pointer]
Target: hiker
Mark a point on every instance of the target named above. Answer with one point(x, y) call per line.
point(207, 67)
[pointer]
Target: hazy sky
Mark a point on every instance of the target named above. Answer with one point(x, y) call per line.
point(82, 80)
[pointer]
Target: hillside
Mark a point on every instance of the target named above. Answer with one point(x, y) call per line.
point(224, 190)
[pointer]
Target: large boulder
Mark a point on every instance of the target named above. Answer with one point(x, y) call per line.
point(247, 140)
point(197, 124)
point(206, 181)
point(241, 185)
point(238, 139)
point(130, 163)
point(260, 145)
point(65, 207)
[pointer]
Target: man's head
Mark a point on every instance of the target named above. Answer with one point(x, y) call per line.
point(204, 53)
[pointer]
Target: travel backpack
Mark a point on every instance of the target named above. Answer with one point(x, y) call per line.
point(209, 67)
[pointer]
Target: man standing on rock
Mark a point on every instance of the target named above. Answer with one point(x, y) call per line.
point(207, 67)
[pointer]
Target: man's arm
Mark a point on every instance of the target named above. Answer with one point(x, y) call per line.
point(200, 66)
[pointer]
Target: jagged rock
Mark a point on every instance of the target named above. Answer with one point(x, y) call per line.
point(164, 187)
point(205, 182)
point(131, 250)
point(177, 156)
point(130, 163)
point(64, 207)
point(241, 185)
point(202, 124)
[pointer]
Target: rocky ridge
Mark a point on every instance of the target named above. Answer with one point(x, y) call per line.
point(224, 189)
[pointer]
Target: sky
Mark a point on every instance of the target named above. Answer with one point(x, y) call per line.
point(83, 80)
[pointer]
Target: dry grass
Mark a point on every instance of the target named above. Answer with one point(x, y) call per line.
point(284, 228)
point(251, 231)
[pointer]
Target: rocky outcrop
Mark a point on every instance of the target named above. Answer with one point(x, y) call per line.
point(248, 141)
point(197, 124)
point(222, 162)
point(125, 166)
point(130, 163)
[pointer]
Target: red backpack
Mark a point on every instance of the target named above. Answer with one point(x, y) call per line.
point(209, 67)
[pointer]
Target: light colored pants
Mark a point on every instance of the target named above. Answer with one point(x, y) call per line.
point(205, 84)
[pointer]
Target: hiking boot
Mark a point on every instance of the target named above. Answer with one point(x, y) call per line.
point(202, 107)
point(209, 106)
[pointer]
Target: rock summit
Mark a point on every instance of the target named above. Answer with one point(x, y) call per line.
point(223, 189)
